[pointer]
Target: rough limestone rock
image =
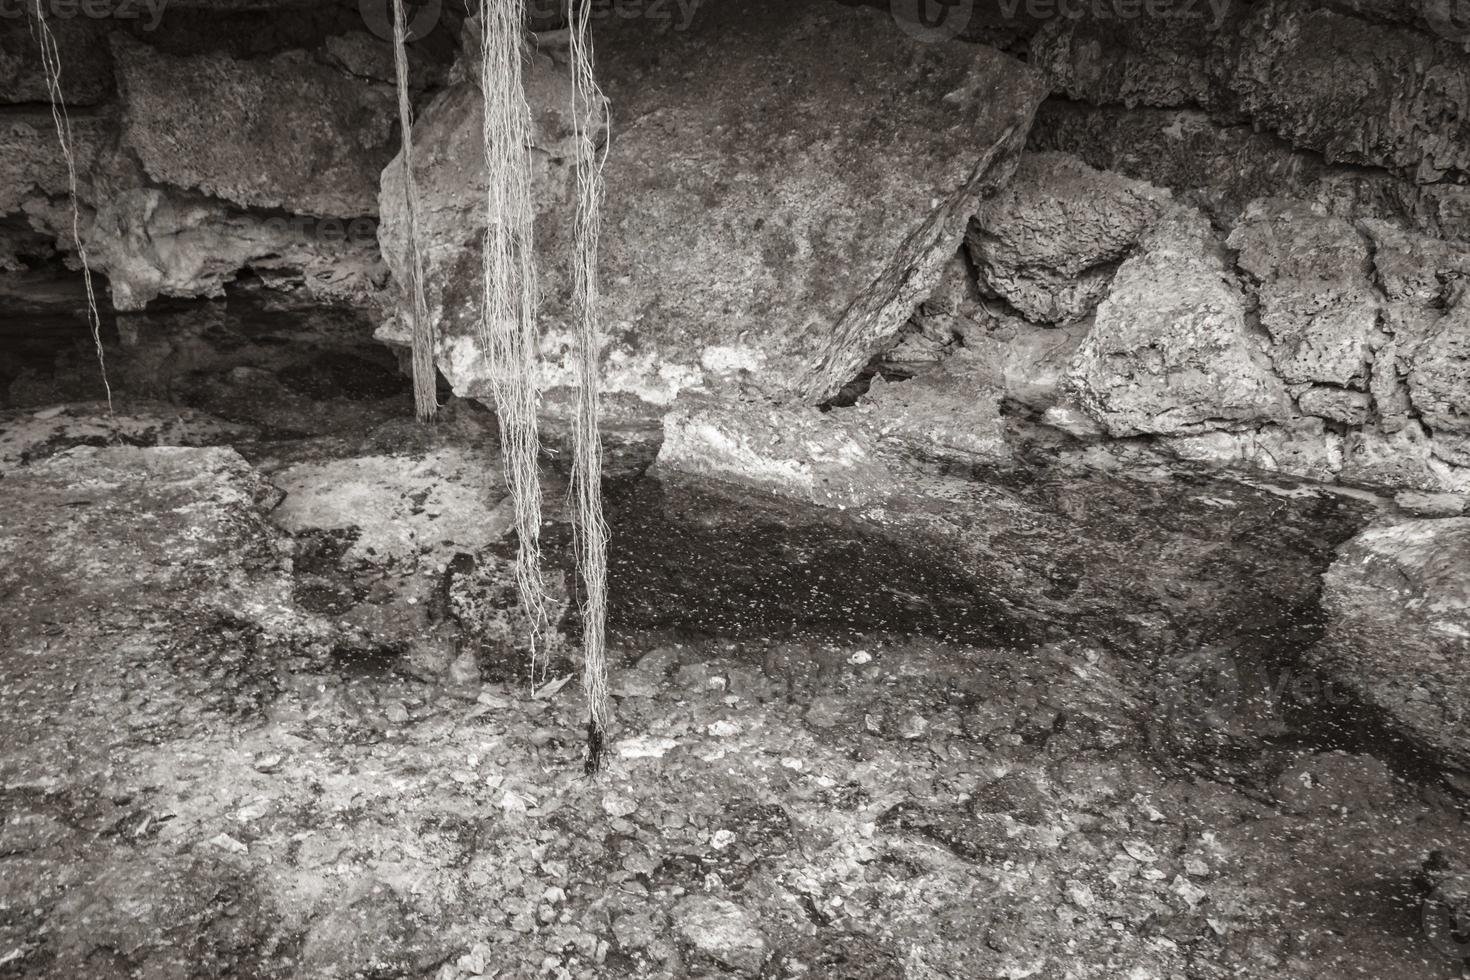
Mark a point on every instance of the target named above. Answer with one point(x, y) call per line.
point(284, 132)
point(1170, 350)
point(767, 225)
point(952, 410)
point(798, 452)
point(197, 516)
point(722, 931)
point(400, 506)
point(1439, 382)
point(1221, 166)
point(1356, 91)
point(1302, 447)
point(828, 216)
point(1337, 404)
point(28, 436)
point(1106, 60)
point(1316, 299)
point(1398, 628)
point(1412, 267)
point(151, 242)
point(83, 45)
point(1402, 459)
point(33, 180)
point(30, 158)
point(1048, 243)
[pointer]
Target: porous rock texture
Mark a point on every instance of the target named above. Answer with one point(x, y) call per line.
point(284, 132)
point(1398, 628)
point(1312, 287)
point(760, 232)
point(1170, 349)
point(232, 138)
point(1049, 241)
point(1331, 82)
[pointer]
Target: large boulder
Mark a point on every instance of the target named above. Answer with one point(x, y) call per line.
point(1316, 299)
point(1050, 241)
point(768, 226)
point(450, 171)
point(283, 132)
point(1398, 628)
point(1170, 350)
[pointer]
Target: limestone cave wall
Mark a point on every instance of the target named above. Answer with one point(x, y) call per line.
point(1234, 234)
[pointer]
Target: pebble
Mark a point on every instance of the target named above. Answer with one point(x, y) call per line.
point(618, 805)
point(723, 931)
point(1140, 851)
point(228, 844)
point(269, 762)
point(826, 711)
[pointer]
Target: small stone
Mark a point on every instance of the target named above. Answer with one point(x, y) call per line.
point(228, 844)
point(724, 728)
point(464, 670)
point(826, 711)
point(1187, 890)
point(269, 762)
point(637, 930)
point(723, 931)
point(396, 713)
point(1140, 851)
point(695, 678)
point(1080, 895)
point(645, 747)
point(915, 726)
point(617, 805)
point(722, 839)
point(478, 960)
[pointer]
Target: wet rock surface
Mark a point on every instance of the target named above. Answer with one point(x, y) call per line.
point(861, 744)
point(1397, 629)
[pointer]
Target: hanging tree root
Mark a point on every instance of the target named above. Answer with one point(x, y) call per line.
point(588, 108)
point(507, 330)
point(425, 388)
point(510, 338)
point(51, 65)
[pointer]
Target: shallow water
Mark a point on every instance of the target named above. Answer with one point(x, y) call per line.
point(1020, 691)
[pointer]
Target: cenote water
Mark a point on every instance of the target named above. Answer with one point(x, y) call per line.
point(1038, 720)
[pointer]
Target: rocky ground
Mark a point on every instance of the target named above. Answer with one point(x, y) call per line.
point(266, 716)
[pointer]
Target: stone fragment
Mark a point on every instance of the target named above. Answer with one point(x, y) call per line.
point(723, 931)
point(1170, 350)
